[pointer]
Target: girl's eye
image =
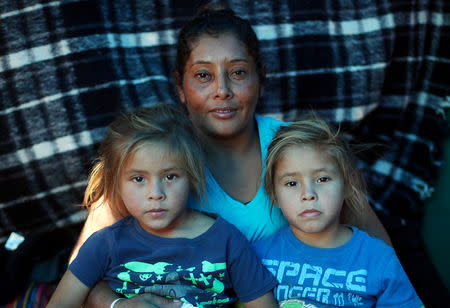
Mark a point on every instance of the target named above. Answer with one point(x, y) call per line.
point(203, 76)
point(170, 177)
point(138, 179)
point(291, 184)
point(323, 179)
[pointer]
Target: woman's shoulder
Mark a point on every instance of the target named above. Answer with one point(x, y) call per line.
point(267, 127)
point(269, 122)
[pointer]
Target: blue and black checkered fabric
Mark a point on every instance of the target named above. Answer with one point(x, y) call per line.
point(380, 69)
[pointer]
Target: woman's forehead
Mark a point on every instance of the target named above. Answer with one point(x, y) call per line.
point(211, 48)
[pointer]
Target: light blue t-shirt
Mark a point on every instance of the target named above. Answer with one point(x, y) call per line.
point(364, 272)
point(256, 220)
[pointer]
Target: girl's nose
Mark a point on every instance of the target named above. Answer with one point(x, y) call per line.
point(308, 193)
point(155, 192)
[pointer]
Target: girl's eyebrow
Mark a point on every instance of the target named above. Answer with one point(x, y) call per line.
point(161, 171)
point(285, 175)
point(129, 171)
point(324, 169)
point(171, 169)
point(331, 169)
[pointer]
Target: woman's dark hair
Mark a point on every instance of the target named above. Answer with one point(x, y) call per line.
point(214, 22)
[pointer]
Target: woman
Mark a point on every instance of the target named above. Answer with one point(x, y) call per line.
point(220, 78)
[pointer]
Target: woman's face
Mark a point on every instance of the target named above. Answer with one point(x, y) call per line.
point(220, 86)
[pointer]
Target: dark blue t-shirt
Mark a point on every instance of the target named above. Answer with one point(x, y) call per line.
point(214, 269)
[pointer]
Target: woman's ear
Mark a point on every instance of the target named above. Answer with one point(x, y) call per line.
point(262, 81)
point(179, 84)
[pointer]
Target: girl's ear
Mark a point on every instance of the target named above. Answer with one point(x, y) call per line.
point(179, 84)
point(275, 202)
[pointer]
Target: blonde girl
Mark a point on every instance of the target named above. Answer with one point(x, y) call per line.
point(149, 164)
point(312, 177)
point(314, 132)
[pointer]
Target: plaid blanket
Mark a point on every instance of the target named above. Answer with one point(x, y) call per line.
point(67, 68)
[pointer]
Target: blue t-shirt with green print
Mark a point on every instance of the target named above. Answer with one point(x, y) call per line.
point(214, 269)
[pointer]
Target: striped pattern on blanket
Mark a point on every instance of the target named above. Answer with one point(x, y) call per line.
point(67, 68)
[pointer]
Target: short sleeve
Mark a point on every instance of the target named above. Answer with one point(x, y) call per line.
point(249, 277)
point(397, 290)
point(90, 263)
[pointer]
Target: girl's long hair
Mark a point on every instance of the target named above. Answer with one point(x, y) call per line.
point(315, 132)
point(163, 123)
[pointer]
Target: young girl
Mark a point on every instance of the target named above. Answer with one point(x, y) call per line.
point(149, 163)
point(312, 177)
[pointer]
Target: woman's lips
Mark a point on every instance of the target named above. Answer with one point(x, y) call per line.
point(223, 113)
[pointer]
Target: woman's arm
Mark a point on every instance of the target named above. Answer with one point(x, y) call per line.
point(265, 301)
point(369, 222)
point(101, 296)
point(71, 292)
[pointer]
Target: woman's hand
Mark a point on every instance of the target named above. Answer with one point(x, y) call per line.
point(147, 300)
point(101, 296)
point(265, 301)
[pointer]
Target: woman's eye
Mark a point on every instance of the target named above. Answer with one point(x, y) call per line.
point(239, 73)
point(138, 179)
point(323, 179)
point(203, 76)
point(291, 183)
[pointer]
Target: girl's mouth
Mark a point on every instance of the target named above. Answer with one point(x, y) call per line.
point(157, 213)
point(310, 213)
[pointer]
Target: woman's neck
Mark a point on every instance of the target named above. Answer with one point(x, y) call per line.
point(235, 163)
point(235, 145)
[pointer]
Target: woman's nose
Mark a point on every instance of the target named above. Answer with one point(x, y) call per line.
point(223, 89)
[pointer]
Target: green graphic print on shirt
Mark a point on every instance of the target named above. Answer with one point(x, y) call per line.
point(202, 285)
